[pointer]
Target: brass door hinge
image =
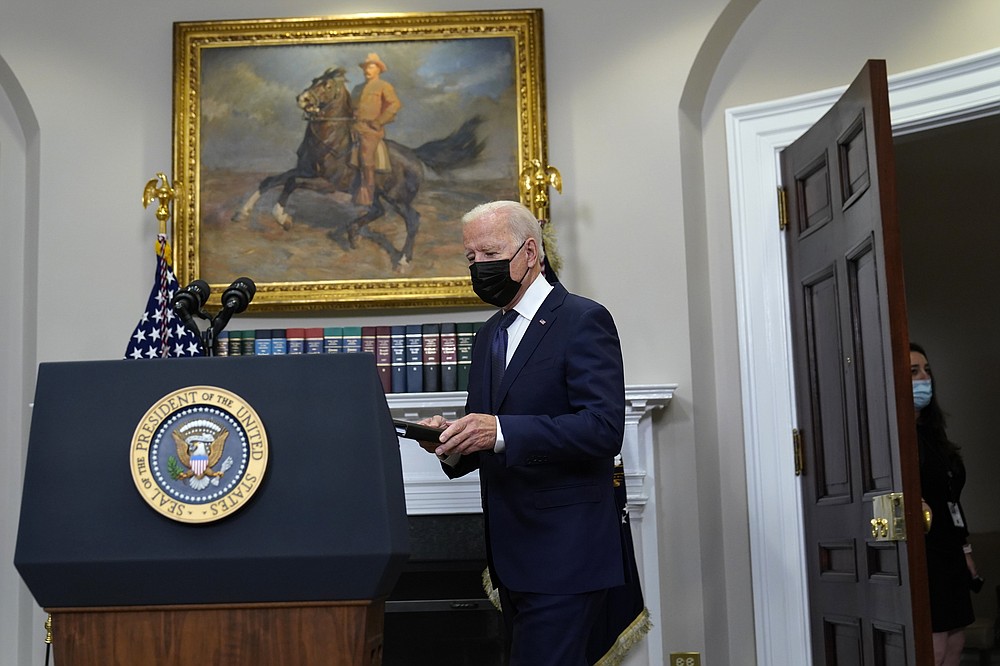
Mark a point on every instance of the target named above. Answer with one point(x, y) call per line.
point(782, 209)
point(797, 448)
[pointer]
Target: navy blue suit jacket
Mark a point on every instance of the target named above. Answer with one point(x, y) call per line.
point(551, 522)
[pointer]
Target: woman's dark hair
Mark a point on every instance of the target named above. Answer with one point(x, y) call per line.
point(931, 417)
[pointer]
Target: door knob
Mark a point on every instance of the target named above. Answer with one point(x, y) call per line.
point(888, 520)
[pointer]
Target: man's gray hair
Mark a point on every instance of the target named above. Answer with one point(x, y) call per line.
point(521, 222)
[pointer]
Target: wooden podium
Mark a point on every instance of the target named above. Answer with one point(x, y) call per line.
point(296, 575)
point(246, 634)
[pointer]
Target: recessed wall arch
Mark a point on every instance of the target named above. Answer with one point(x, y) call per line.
point(19, 208)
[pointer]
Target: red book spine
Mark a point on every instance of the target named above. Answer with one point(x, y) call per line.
point(432, 357)
point(383, 356)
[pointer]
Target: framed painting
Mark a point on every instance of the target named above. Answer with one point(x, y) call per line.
point(331, 159)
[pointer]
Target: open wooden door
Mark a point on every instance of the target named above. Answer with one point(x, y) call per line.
point(866, 571)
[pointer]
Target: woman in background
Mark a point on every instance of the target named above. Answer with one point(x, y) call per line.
point(950, 568)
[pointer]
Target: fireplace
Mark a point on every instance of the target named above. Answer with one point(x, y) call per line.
point(438, 613)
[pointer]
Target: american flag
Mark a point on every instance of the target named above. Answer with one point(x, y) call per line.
point(159, 333)
point(624, 619)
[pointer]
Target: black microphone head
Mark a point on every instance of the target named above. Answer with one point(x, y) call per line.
point(192, 297)
point(201, 289)
point(238, 295)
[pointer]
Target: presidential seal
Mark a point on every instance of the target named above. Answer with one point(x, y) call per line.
point(198, 454)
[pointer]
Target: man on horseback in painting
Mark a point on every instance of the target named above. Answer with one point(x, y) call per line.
point(375, 107)
point(339, 157)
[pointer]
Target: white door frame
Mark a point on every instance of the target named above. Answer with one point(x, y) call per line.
point(922, 99)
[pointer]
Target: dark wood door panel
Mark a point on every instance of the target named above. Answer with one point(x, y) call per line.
point(829, 437)
point(890, 644)
point(869, 367)
point(854, 160)
point(812, 186)
point(843, 641)
point(848, 332)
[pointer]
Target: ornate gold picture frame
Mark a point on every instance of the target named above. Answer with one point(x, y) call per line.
point(265, 112)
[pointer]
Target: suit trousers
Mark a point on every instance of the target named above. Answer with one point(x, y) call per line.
point(549, 629)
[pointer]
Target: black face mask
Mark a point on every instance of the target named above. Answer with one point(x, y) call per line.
point(492, 282)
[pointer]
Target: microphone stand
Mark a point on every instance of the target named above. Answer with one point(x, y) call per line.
point(211, 332)
point(206, 337)
point(208, 341)
point(217, 325)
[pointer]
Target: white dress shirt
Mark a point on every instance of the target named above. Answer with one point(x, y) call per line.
point(526, 310)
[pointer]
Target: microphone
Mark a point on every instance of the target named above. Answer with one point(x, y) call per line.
point(190, 300)
point(235, 299)
point(238, 295)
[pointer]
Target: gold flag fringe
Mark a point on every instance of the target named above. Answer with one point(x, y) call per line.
point(628, 639)
point(491, 592)
point(550, 247)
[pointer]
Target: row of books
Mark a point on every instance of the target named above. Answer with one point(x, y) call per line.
point(411, 358)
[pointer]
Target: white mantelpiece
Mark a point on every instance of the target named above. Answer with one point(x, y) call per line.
point(428, 491)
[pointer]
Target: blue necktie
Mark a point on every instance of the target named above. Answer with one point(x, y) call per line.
point(498, 354)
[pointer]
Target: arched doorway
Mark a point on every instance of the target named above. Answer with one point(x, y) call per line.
point(925, 99)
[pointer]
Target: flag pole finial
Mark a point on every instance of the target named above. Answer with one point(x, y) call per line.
point(159, 188)
point(534, 182)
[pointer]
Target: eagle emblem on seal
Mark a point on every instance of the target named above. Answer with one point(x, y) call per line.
point(200, 444)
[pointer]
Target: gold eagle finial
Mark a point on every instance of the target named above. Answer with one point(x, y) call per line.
point(164, 193)
point(535, 181)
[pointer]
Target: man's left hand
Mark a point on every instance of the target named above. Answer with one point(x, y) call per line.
point(471, 433)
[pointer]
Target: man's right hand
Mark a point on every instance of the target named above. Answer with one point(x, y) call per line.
point(436, 421)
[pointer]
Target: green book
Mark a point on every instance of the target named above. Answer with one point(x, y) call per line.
point(466, 334)
point(235, 343)
point(352, 339)
point(333, 339)
point(248, 343)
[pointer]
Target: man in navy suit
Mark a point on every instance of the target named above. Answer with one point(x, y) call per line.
point(544, 442)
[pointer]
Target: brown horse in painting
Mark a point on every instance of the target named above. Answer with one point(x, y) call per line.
point(324, 165)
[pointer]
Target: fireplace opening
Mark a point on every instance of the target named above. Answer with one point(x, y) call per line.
point(438, 613)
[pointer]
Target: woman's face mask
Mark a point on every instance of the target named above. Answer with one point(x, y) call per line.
point(923, 390)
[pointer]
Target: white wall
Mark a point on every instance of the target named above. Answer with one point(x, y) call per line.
point(98, 77)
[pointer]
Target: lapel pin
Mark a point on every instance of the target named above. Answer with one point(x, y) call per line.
point(542, 322)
